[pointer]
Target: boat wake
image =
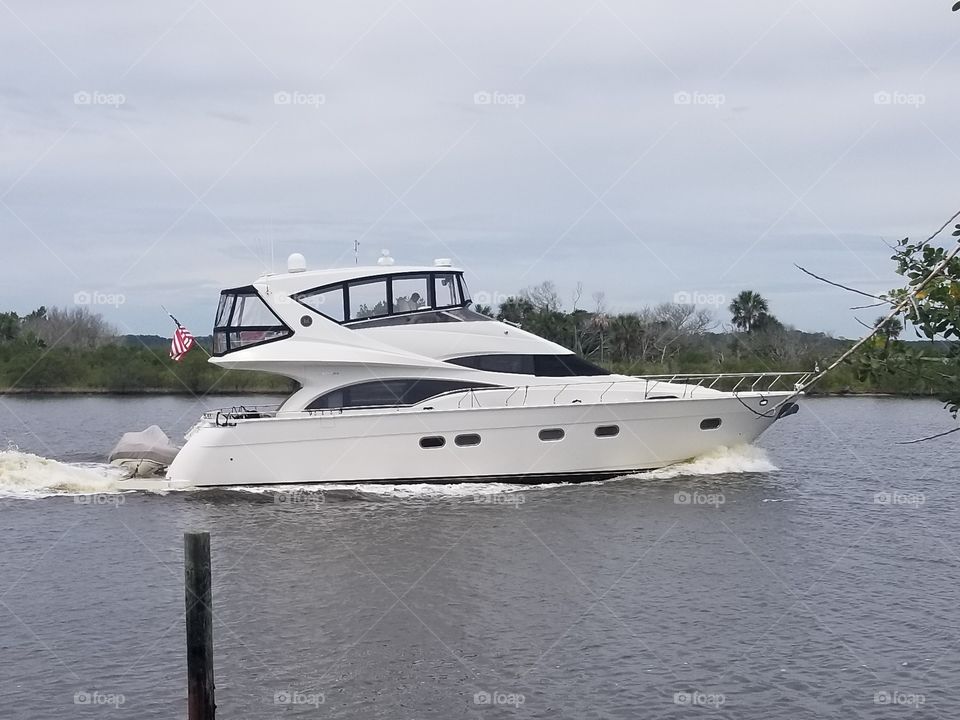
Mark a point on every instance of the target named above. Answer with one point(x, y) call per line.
point(722, 461)
point(27, 476)
point(23, 475)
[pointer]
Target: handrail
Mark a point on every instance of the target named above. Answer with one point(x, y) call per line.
point(687, 384)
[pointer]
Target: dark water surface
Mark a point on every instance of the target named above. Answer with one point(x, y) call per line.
point(803, 594)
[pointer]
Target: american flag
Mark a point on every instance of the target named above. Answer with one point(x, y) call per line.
point(182, 342)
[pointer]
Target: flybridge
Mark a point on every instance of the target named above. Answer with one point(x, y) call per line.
point(371, 296)
point(299, 275)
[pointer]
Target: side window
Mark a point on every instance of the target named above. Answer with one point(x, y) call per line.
point(368, 299)
point(411, 293)
point(223, 311)
point(378, 392)
point(327, 302)
point(388, 393)
point(465, 291)
point(445, 286)
point(250, 311)
point(516, 364)
point(565, 366)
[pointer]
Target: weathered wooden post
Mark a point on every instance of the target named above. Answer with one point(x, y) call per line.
point(197, 590)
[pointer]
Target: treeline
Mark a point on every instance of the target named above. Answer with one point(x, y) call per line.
point(683, 338)
point(75, 350)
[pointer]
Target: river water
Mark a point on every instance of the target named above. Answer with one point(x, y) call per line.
point(815, 576)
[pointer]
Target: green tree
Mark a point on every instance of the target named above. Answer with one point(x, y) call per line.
point(751, 312)
point(889, 330)
point(9, 326)
point(934, 312)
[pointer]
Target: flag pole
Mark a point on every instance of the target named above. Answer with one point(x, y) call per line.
point(197, 343)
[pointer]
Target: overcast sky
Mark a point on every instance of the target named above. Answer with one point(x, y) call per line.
point(153, 152)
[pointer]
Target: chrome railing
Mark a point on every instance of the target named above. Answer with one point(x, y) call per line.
point(741, 382)
point(227, 416)
point(654, 387)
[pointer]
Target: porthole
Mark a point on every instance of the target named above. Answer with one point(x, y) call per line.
point(306, 321)
point(607, 431)
point(433, 441)
point(468, 440)
point(551, 434)
point(710, 424)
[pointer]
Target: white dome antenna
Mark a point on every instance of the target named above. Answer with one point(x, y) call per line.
point(385, 258)
point(296, 263)
point(443, 262)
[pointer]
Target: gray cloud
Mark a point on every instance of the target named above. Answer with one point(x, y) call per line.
point(656, 149)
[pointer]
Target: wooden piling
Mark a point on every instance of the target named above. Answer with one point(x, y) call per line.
point(199, 605)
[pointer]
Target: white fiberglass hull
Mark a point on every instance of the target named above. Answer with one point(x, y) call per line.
point(385, 445)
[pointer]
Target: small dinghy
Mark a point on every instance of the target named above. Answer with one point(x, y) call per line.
point(144, 454)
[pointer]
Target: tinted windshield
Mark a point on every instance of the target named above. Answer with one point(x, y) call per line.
point(378, 299)
point(243, 320)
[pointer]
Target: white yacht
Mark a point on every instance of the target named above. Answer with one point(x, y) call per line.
point(401, 381)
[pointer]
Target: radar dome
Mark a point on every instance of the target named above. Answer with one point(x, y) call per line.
point(296, 263)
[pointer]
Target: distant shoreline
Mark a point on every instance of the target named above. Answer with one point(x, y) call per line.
point(149, 392)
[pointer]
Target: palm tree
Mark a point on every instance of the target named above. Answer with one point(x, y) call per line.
point(750, 311)
point(889, 329)
point(626, 332)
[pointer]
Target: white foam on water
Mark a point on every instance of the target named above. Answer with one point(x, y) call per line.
point(23, 475)
point(722, 461)
point(398, 491)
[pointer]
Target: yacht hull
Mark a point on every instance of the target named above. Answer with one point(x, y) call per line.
point(385, 446)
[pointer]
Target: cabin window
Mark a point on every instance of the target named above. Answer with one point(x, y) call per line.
point(468, 440)
point(605, 431)
point(223, 310)
point(539, 365)
point(551, 434)
point(446, 290)
point(411, 293)
point(711, 424)
point(244, 320)
point(326, 302)
point(388, 393)
point(427, 297)
point(434, 441)
point(465, 291)
point(368, 299)
point(516, 364)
